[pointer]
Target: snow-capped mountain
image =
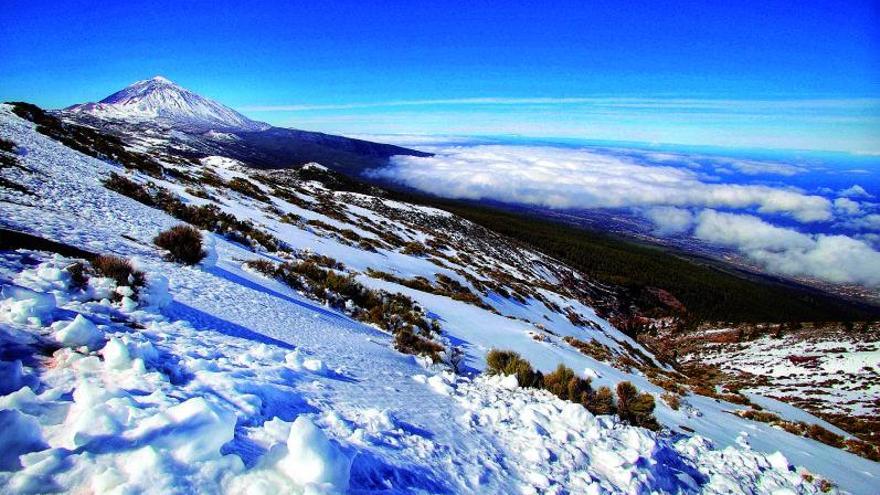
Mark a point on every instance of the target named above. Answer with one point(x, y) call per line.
point(159, 98)
point(142, 114)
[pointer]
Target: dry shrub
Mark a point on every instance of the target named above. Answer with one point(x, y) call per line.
point(120, 270)
point(565, 384)
point(602, 402)
point(183, 243)
point(636, 408)
point(511, 363)
point(672, 400)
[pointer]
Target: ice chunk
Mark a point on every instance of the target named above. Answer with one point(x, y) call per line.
point(314, 365)
point(27, 306)
point(191, 431)
point(19, 434)
point(80, 332)
point(116, 355)
point(313, 459)
point(439, 385)
point(592, 374)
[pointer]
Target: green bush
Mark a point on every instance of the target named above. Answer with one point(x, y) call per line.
point(636, 408)
point(566, 385)
point(602, 402)
point(511, 363)
point(183, 243)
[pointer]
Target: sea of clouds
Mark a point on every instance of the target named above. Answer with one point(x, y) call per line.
point(728, 202)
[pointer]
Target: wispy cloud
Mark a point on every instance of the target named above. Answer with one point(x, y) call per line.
point(681, 104)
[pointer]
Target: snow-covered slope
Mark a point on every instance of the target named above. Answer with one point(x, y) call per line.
point(229, 381)
point(159, 98)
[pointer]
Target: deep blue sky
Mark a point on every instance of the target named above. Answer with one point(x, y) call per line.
point(345, 66)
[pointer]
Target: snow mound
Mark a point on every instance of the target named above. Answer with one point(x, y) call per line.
point(313, 459)
point(80, 332)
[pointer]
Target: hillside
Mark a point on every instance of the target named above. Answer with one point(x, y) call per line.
point(313, 349)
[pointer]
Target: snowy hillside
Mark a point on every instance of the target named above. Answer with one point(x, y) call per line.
point(159, 98)
point(239, 375)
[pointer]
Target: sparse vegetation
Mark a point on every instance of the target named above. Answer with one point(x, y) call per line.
point(247, 188)
point(707, 292)
point(183, 243)
point(87, 140)
point(395, 313)
point(120, 270)
point(633, 407)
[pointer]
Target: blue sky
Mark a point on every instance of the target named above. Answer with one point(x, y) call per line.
point(802, 75)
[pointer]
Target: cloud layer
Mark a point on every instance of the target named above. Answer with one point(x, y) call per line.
point(677, 197)
point(834, 258)
point(578, 178)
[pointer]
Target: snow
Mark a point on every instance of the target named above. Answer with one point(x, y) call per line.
point(80, 332)
point(26, 306)
point(312, 459)
point(218, 380)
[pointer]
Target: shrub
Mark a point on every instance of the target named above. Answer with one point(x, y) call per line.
point(634, 407)
point(511, 363)
point(602, 402)
point(816, 432)
point(247, 188)
point(672, 400)
point(183, 243)
point(863, 449)
point(130, 188)
point(79, 279)
point(566, 385)
point(120, 270)
point(414, 248)
point(265, 267)
point(409, 343)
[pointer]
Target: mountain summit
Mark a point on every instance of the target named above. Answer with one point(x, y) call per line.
point(160, 99)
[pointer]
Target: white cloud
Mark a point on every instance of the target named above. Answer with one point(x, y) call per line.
point(833, 258)
point(867, 222)
point(847, 206)
point(558, 177)
point(670, 220)
point(856, 191)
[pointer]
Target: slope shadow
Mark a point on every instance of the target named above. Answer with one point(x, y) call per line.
point(236, 279)
point(205, 321)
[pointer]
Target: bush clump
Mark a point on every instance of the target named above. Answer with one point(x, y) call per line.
point(602, 402)
point(636, 408)
point(120, 270)
point(566, 385)
point(127, 187)
point(395, 313)
point(183, 243)
point(511, 363)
